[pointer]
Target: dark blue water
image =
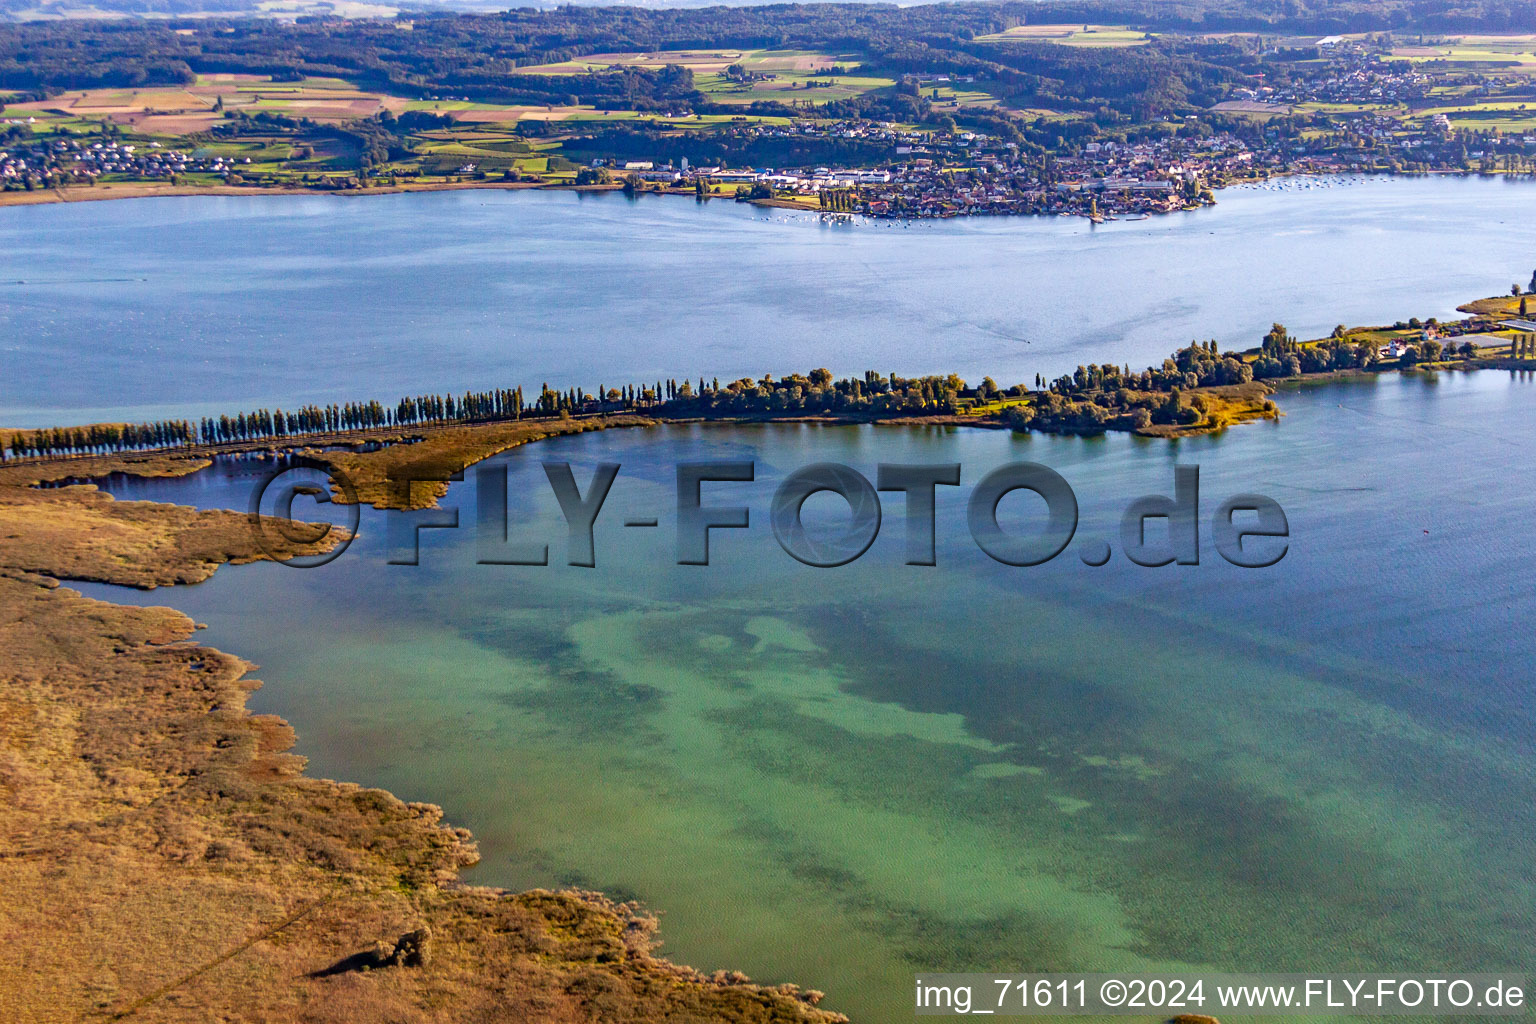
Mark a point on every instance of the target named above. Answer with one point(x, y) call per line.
point(186, 307)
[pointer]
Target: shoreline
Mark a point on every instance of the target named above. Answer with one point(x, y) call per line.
point(370, 456)
point(64, 195)
point(440, 449)
point(430, 448)
point(61, 195)
point(243, 880)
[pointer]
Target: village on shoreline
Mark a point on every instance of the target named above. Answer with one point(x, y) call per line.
point(901, 146)
point(1108, 181)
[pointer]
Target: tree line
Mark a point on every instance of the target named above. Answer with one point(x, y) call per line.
point(795, 394)
point(1092, 398)
point(268, 424)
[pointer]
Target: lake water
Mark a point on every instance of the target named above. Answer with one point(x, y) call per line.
point(198, 306)
point(843, 777)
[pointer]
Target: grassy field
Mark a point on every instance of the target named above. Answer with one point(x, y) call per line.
point(1508, 52)
point(696, 61)
point(953, 97)
point(1071, 35)
point(1461, 110)
point(790, 85)
point(446, 152)
point(789, 74)
point(1318, 107)
point(992, 408)
point(1506, 117)
point(1379, 337)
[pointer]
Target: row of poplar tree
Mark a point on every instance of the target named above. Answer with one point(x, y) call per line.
point(275, 424)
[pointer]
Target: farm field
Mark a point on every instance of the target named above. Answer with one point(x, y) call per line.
point(1462, 112)
point(951, 97)
point(1071, 35)
point(785, 74)
point(198, 106)
point(173, 112)
point(447, 152)
point(1318, 107)
point(786, 86)
point(469, 112)
point(697, 61)
point(1506, 116)
point(1253, 108)
point(1511, 52)
point(694, 60)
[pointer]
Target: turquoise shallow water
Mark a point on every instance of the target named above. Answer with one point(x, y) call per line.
point(842, 777)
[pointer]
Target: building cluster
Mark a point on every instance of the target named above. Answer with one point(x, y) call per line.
point(30, 162)
point(1354, 73)
point(1375, 139)
point(959, 172)
point(967, 173)
point(924, 190)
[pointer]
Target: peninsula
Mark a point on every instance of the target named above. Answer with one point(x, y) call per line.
point(1198, 389)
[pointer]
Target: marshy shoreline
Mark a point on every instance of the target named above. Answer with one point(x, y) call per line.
point(169, 860)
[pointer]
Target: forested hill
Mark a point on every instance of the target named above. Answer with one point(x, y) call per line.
point(1324, 16)
point(472, 52)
